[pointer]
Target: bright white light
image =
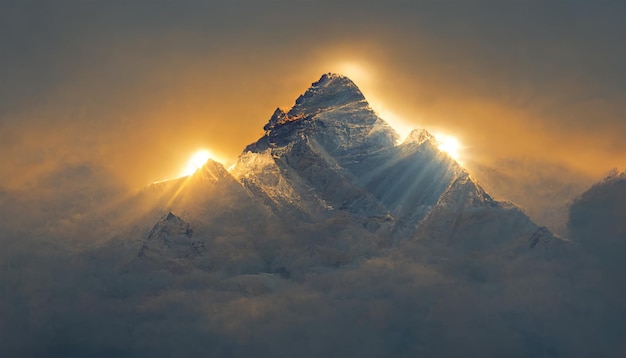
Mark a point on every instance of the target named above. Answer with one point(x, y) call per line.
point(362, 75)
point(449, 144)
point(196, 162)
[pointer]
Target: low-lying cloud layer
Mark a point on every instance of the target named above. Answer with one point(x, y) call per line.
point(70, 286)
point(98, 100)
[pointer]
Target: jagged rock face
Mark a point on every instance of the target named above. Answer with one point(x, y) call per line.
point(331, 91)
point(329, 126)
point(331, 154)
point(330, 145)
point(170, 243)
point(332, 113)
point(408, 179)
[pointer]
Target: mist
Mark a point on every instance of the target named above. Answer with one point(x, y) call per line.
point(354, 298)
point(98, 101)
point(139, 87)
point(73, 284)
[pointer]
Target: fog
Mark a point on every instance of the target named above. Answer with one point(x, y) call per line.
point(71, 285)
point(99, 100)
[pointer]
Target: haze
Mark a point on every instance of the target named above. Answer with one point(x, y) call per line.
point(327, 238)
point(136, 88)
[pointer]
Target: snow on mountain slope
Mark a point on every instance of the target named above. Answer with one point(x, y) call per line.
point(267, 182)
point(409, 178)
point(333, 146)
point(330, 125)
point(335, 114)
point(212, 183)
point(467, 218)
point(331, 154)
point(170, 245)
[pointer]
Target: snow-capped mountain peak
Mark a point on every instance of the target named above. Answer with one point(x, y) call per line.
point(212, 171)
point(333, 113)
point(170, 224)
point(419, 136)
point(169, 245)
point(331, 90)
point(331, 153)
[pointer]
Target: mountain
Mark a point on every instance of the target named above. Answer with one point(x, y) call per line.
point(543, 189)
point(328, 237)
point(306, 151)
point(331, 156)
point(170, 244)
point(596, 220)
point(331, 152)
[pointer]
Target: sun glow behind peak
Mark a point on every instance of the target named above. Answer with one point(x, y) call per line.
point(449, 145)
point(196, 161)
point(358, 72)
point(445, 142)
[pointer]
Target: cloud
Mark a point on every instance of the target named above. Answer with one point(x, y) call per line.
point(345, 295)
point(595, 221)
point(544, 190)
point(100, 98)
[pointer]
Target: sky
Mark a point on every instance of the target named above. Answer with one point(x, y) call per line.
point(98, 98)
point(137, 87)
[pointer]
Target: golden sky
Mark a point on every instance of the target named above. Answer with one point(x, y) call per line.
point(137, 88)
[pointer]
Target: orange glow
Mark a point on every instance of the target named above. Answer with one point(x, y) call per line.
point(365, 78)
point(359, 73)
point(196, 162)
point(402, 127)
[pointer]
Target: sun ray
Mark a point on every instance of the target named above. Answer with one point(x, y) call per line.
point(196, 162)
point(449, 145)
point(181, 187)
